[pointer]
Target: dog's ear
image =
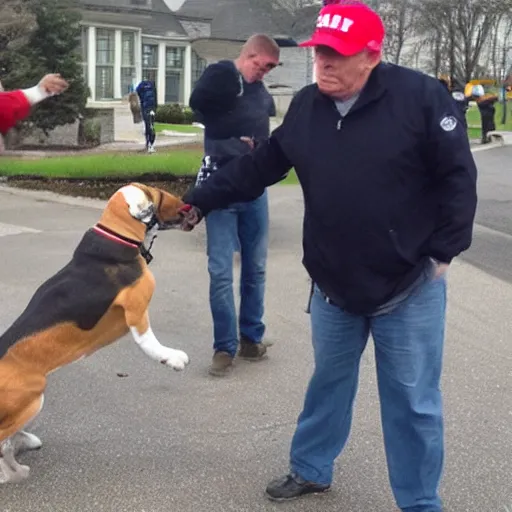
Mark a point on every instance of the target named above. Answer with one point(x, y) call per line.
point(139, 201)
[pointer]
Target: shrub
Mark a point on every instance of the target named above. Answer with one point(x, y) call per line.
point(174, 113)
point(189, 115)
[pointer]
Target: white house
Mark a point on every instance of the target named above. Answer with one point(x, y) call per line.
point(125, 41)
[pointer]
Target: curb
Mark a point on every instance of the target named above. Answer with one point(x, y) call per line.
point(497, 142)
point(53, 197)
point(99, 204)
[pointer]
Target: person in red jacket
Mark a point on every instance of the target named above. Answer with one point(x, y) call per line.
point(15, 105)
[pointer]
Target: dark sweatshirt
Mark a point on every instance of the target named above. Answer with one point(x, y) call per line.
point(230, 108)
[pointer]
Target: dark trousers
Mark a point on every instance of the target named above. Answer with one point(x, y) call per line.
point(149, 127)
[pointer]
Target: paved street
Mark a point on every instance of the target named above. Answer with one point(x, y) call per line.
point(493, 242)
point(159, 441)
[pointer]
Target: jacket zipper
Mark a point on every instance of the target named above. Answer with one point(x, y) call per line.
point(340, 120)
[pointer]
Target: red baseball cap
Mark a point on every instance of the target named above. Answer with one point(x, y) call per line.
point(348, 28)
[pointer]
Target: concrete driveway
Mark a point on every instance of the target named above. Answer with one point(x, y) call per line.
point(153, 440)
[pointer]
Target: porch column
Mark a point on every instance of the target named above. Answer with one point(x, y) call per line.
point(91, 61)
point(187, 74)
point(118, 48)
point(138, 57)
point(161, 73)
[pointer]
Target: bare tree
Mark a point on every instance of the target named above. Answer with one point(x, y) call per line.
point(500, 46)
point(293, 6)
point(398, 17)
point(465, 28)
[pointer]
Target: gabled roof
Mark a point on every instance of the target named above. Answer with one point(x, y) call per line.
point(158, 20)
point(242, 18)
point(235, 19)
point(201, 9)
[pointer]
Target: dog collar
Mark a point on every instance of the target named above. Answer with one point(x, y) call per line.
point(116, 237)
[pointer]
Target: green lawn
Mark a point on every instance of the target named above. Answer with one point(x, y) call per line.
point(474, 133)
point(182, 128)
point(179, 162)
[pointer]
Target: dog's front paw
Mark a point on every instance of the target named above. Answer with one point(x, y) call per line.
point(176, 359)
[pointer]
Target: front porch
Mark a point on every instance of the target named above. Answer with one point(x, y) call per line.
point(116, 58)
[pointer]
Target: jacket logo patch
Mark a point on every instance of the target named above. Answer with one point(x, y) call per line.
point(448, 123)
point(458, 96)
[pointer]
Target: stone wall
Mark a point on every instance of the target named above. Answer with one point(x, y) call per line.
point(106, 118)
point(68, 135)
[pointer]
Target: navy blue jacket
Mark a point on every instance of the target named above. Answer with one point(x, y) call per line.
point(388, 187)
point(146, 91)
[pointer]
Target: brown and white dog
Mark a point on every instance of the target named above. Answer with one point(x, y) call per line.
point(100, 295)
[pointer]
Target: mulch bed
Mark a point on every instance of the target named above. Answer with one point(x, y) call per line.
point(101, 188)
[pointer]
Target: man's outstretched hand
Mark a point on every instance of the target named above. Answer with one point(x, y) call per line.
point(53, 84)
point(191, 217)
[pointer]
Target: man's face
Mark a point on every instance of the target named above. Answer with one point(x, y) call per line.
point(340, 76)
point(257, 66)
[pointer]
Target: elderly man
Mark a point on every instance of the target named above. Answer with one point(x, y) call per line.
point(15, 105)
point(389, 187)
point(235, 107)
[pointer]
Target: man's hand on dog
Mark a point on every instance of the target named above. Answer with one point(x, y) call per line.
point(191, 217)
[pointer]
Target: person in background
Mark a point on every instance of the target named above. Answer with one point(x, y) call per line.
point(457, 93)
point(389, 188)
point(15, 105)
point(486, 105)
point(147, 93)
point(232, 102)
point(456, 90)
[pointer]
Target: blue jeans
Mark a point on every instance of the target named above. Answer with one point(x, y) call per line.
point(408, 351)
point(244, 227)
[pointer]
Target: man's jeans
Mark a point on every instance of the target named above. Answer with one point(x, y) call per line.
point(242, 226)
point(408, 351)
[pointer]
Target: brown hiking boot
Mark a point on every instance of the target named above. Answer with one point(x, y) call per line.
point(251, 351)
point(222, 364)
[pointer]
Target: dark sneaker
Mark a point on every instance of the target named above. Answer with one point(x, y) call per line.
point(251, 351)
point(292, 486)
point(222, 364)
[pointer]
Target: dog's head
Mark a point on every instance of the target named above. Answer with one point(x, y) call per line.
point(156, 206)
point(136, 207)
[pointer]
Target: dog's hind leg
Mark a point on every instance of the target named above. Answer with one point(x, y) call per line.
point(14, 440)
point(10, 470)
point(25, 441)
